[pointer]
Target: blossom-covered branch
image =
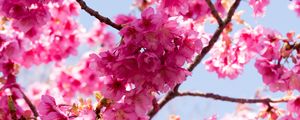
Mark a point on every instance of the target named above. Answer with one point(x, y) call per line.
point(230, 99)
point(98, 16)
point(172, 94)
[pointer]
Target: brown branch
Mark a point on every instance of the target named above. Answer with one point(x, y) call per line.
point(214, 12)
point(231, 99)
point(96, 14)
point(174, 93)
point(215, 36)
point(29, 103)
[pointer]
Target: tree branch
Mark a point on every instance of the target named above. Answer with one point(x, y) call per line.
point(215, 36)
point(214, 12)
point(230, 99)
point(174, 93)
point(96, 14)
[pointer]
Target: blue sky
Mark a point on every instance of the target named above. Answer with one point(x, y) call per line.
point(278, 17)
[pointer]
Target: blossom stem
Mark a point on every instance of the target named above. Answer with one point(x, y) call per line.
point(174, 93)
point(96, 14)
point(29, 103)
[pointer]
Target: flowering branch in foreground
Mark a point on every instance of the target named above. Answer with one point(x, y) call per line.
point(172, 94)
point(98, 16)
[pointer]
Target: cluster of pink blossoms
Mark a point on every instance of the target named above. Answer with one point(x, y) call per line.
point(149, 60)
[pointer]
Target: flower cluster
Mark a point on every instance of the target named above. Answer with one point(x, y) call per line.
point(149, 60)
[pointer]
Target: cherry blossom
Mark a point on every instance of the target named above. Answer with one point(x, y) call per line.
point(259, 6)
point(49, 110)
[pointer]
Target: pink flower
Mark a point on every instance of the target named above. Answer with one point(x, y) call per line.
point(295, 5)
point(198, 9)
point(68, 85)
point(148, 61)
point(251, 38)
point(49, 110)
point(149, 20)
point(10, 50)
point(294, 105)
point(276, 76)
point(121, 112)
point(114, 88)
point(271, 45)
point(227, 60)
point(98, 35)
point(173, 7)
point(259, 6)
point(124, 19)
point(140, 100)
point(125, 68)
point(170, 76)
point(295, 77)
point(35, 18)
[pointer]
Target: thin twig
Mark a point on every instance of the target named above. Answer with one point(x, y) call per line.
point(98, 16)
point(174, 93)
point(214, 12)
point(231, 99)
point(29, 103)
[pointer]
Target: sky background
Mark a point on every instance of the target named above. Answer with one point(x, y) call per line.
point(278, 17)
